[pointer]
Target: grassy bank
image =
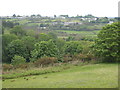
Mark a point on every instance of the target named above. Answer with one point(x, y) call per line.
point(86, 76)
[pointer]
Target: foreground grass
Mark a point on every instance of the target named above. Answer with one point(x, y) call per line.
point(87, 76)
point(35, 71)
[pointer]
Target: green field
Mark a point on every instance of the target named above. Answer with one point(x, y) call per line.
point(87, 76)
point(89, 34)
point(80, 32)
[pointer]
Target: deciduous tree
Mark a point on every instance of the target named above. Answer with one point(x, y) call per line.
point(107, 45)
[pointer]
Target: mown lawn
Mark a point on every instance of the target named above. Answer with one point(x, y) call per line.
point(88, 76)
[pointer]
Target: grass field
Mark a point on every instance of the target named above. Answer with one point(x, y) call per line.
point(88, 34)
point(95, 32)
point(87, 76)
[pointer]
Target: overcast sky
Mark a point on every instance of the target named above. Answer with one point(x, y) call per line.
point(100, 8)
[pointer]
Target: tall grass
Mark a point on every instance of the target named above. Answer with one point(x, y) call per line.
point(35, 71)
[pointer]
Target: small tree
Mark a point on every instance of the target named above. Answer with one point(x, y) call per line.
point(29, 45)
point(45, 48)
point(17, 60)
point(16, 47)
point(6, 40)
point(14, 15)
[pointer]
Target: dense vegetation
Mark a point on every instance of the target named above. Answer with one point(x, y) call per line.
point(50, 42)
point(107, 46)
point(17, 40)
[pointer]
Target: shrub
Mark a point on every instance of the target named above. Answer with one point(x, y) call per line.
point(84, 57)
point(45, 48)
point(90, 57)
point(18, 60)
point(67, 58)
point(7, 67)
point(81, 57)
point(23, 66)
point(45, 61)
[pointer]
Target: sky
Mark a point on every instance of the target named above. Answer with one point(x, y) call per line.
point(100, 8)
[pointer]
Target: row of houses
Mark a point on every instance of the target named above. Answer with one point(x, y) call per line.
point(54, 23)
point(66, 23)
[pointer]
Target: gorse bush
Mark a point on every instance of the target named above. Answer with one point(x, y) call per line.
point(17, 60)
point(45, 61)
point(7, 67)
point(67, 58)
point(23, 66)
point(85, 57)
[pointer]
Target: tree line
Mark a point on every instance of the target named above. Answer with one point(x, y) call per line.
point(19, 47)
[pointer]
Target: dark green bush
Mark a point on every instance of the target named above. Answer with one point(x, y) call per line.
point(16, 47)
point(44, 48)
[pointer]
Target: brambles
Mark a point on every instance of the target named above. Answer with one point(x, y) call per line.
point(85, 57)
point(67, 58)
point(23, 66)
point(45, 61)
point(7, 67)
